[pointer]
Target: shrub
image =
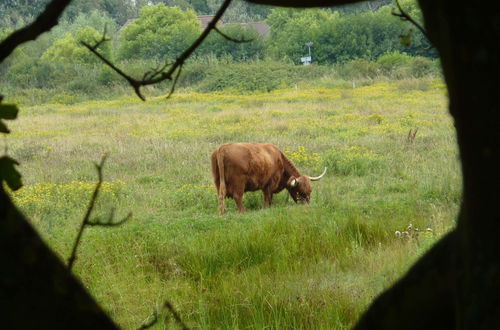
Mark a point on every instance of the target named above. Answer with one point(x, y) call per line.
point(258, 76)
point(421, 66)
point(393, 63)
point(68, 49)
point(245, 78)
point(219, 46)
point(159, 32)
point(360, 69)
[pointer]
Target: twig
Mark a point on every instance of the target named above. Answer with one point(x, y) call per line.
point(86, 219)
point(167, 305)
point(159, 75)
point(136, 84)
point(153, 321)
point(103, 38)
point(155, 72)
point(176, 315)
point(175, 82)
point(110, 222)
point(405, 17)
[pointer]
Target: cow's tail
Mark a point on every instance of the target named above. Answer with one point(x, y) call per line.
point(222, 182)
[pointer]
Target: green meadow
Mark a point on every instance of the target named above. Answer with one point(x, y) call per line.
point(313, 266)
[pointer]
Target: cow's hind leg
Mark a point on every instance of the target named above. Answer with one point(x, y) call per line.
point(222, 203)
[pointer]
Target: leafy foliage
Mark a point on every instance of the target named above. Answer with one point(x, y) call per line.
point(259, 76)
point(69, 49)
point(96, 19)
point(340, 37)
point(159, 32)
point(218, 46)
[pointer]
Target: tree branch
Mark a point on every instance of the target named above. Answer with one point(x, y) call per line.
point(86, 219)
point(405, 17)
point(110, 221)
point(167, 305)
point(175, 82)
point(44, 22)
point(158, 75)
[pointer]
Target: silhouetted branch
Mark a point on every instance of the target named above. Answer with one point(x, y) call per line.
point(167, 305)
point(155, 72)
point(405, 17)
point(102, 40)
point(176, 315)
point(110, 221)
point(43, 23)
point(86, 219)
point(158, 75)
point(149, 324)
point(175, 82)
point(136, 84)
point(238, 41)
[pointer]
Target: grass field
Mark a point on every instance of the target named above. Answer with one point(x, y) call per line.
point(313, 266)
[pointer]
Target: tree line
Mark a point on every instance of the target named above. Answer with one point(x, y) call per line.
point(143, 30)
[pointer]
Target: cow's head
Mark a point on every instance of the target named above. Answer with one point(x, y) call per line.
point(300, 187)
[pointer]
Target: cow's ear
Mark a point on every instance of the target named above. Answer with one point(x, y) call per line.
point(292, 182)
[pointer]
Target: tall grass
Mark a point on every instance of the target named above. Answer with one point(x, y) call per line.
point(289, 266)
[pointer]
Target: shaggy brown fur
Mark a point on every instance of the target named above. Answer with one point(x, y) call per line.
point(241, 167)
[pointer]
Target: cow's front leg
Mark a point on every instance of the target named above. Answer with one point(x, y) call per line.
point(268, 197)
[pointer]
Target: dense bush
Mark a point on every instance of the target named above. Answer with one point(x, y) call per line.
point(257, 76)
point(341, 37)
point(70, 49)
point(159, 32)
point(360, 69)
point(218, 46)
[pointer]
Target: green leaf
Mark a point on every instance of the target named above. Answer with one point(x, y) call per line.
point(3, 128)
point(8, 111)
point(9, 174)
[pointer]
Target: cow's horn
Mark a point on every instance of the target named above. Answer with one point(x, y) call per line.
point(317, 178)
point(294, 182)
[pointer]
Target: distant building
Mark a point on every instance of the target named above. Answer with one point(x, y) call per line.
point(205, 19)
point(260, 27)
point(130, 20)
